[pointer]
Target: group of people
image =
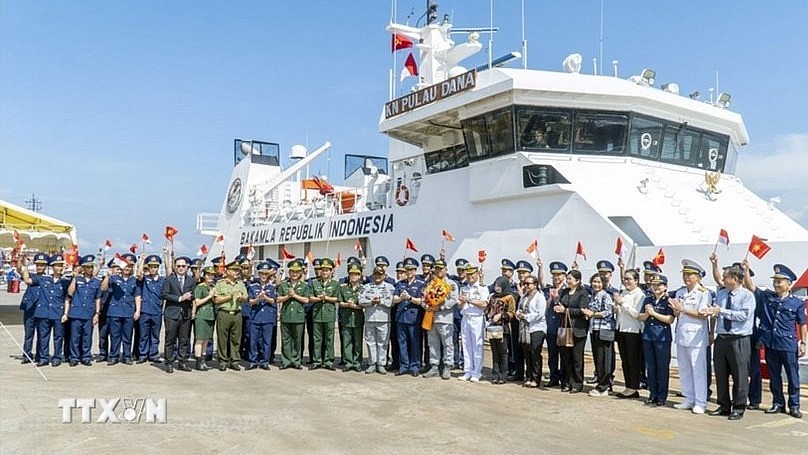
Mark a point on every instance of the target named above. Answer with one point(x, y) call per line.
point(429, 323)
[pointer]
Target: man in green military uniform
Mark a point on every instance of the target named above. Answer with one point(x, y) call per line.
point(292, 295)
point(352, 319)
point(325, 296)
point(228, 294)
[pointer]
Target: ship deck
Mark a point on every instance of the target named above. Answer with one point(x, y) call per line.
point(333, 412)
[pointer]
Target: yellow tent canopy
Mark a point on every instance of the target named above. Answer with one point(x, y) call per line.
point(38, 231)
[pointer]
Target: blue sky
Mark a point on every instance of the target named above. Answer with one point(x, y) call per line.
point(121, 115)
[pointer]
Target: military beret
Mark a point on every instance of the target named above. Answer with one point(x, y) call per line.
point(558, 267)
point(524, 266)
point(507, 264)
point(605, 266)
point(410, 263)
point(381, 260)
point(87, 260)
point(784, 273)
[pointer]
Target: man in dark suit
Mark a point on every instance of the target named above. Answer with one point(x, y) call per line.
point(178, 292)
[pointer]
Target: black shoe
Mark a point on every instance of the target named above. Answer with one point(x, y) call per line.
point(56, 363)
point(41, 363)
point(73, 363)
point(87, 363)
point(127, 362)
point(316, 366)
point(720, 412)
point(623, 396)
point(25, 360)
point(112, 363)
point(552, 383)
point(576, 390)
point(565, 388)
point(297, 366)
point(753, 407)
point(412, 373)
point(169, 368)
point(251, 366)
point(660, 403)
point(143, 360)
point(283, 367)
point(264, 366)
point(775, 409)
point(234, 367)
point(222, 366)
point(330, 367)
point(398, 373)
point(736, 415)
point(794, 412)
point(649, 402)
point(593, 380)
point(182, 366)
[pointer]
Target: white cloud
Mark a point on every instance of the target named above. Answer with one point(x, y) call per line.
point(779, 168)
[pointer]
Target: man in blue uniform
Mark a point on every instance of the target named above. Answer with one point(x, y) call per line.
point(82, 311)
point(151, 308)
point(103, 320)
point(558, 273)
point(123, 310)
point(246, 275)
point(28, 306)
point(409, 301)
point(50, 308)
point(273, 337)
point(780, 311)
point(427, 266)
point(262, 320)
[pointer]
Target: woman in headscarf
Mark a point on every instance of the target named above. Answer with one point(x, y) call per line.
point(500, 310)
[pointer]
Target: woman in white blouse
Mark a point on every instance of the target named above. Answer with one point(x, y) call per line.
point(627, 306)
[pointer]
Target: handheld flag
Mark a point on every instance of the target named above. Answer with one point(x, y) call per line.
point(758, 247)
point(250, 252)
point(107, 245)
point(133, 248)
point(72, 255)
point(481, 256)
point(400, 41)
point(120, 261)
point(408, 245)
point(170, 233)
point(801, 283)
point(579, 250)
point(145, 238)
point(533, 249)
point(203, 251)
point(219, 239)
point(447, 236)
point(221, 264)
point(287, 255)
point(310, 257)
point(338, 261)
point(723, 237)
point(620, 249)
point(659, 259)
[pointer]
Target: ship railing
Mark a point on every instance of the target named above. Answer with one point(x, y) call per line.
point(207, 223)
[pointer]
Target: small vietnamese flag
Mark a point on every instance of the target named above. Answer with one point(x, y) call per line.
point(481, 256)
point(219, 239)
point(408, 245)
point(619, 250)
point(133, 248)
point(145, 238)
point(107, 245)
point(659, 259)
point(203, 250)
point(250, 252)
point(533, 249)
point(579, 250)
point(758, 247)
point(723, 238)
point(286, 254)
point(170, 233)
point(338, 261)
point(447, 236)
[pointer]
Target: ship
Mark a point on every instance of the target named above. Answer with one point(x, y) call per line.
point(495, 162)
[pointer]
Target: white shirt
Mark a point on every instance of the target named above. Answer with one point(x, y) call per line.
point(475, 292)
point(692, 332)
point(628, 311)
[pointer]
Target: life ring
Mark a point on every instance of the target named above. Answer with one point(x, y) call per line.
point(402, 195)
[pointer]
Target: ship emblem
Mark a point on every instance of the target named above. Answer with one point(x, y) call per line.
point(234, 195)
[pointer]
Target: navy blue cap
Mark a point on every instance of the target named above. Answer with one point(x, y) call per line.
point(197, 263)
point(152, 259)
point(650, 267)
point(273, 264)
point(659, 279)
point(352, 260)
point(317, 263)
point(400, 266)
point(691, 266)
point(217, 260)
point(524, 266)
point(56, 259)
point(245, 261)
point(240, 258)
point(263, 267)
point(507, 264)
point(427, 259)
point(558, 267)
point(112, 263)
point(783, 272)
point(87, 260)
point(461, 263)
point(605, 266)
point(410, 263)
point(381, 260)
point(41, 258)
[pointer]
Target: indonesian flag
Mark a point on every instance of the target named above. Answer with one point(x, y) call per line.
point(310, 257)
point(533, 249)
point(620, 249)
point(133, 248)
point(287, 255)
point(203, 250)
point(145, 238)
point(481, 256)
point(219, 239)
point(170, 233)
point(400, 41)
point(221, 264)
point(250, 252)
point(723, 237)
point(447, 236)
point(18, 243)
point(579, 250)
point(758, 247)
point(107, 245)
point(358, 246)
point(410, 67)
point(408, 245)
point(659, 259)
point(120, 261)
point(338, 261)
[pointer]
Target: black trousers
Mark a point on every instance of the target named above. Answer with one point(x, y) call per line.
point(731, 358)
point(533, 356)
point(499, 358)
point(603, 353)
point(516, 356)
point(630, 347)
point(572, 361)
point(178, 332)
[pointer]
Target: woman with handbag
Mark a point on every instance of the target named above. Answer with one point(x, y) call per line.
point(628, 305)
point(601, 325)
point(498, 313)
point(572, 301)
point(532, 329)
point(657, 315)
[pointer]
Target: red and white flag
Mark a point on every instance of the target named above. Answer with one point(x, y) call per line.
point(310, 257)
point(358, 246)
point(409, 245)
point(533, 249)
point(410, 67)
point(447, 236)
point(203, 250)
point(338, 261)
point(18, 243)
point(145, 238)
point(723, 238)
point(481, 256)
point(133, 248)
point(107, 245)
point(579, 250)
point(620, 249)
point(219, 239)
point(120, 261)
point(287, 255)
point(250, 252)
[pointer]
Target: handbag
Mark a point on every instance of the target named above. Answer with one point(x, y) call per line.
point(564, 339)
point(606, 334)
point(524, 332)
point(494, 332)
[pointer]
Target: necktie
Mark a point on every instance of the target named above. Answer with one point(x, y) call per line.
point(727, 321)
point(182, 282)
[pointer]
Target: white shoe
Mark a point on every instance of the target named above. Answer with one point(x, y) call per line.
point(596, 393)
point(684, 406)
point(474, 379)
point(697, 410)
point(465, 377)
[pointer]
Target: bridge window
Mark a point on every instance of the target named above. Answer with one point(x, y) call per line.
point(712, 152)
point(500, 128)
point(680, 145)
point(543, 130)
point(644, 137)
point(600, 133)
point(477, 140)
point(446, 159)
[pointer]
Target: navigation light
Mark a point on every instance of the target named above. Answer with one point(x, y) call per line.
point(723, 99)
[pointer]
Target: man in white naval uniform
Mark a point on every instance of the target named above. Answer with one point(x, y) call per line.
point(377, 298)
point(472, 302)
point(692, 336)
point(442, 328)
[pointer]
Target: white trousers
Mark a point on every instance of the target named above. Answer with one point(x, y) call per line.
point(377, 335)
point(441, 335)
point(472, 328)
point(693, 374)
